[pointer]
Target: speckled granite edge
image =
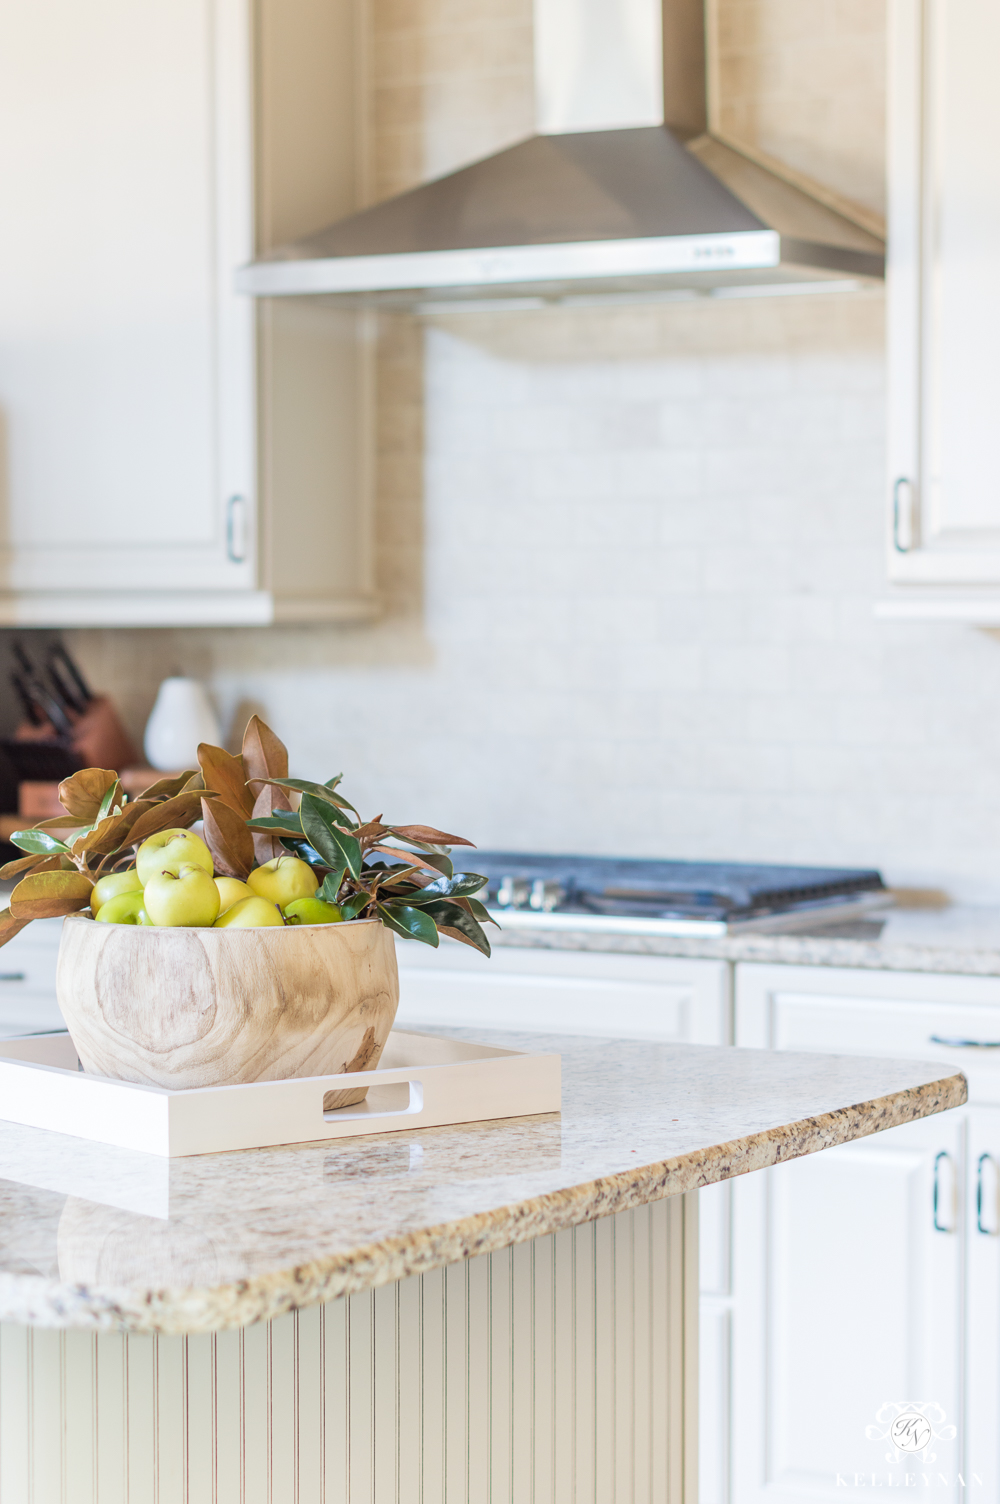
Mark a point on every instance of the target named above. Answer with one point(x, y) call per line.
point(41, 1302)
point(771, 949)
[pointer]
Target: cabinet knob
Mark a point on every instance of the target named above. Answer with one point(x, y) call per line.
point(236, 530)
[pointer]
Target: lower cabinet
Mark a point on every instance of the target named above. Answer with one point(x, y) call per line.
point(867, 1279)
point(664, 998)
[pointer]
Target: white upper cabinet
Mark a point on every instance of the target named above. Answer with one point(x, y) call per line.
point(944, 306)
point(129, 379)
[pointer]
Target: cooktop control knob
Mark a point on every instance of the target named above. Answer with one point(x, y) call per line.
point(546, 895)
point(513, 892)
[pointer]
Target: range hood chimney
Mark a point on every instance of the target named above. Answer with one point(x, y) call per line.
point(622, 192)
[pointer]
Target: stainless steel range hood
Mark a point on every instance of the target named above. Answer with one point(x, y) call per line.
point(623, 192)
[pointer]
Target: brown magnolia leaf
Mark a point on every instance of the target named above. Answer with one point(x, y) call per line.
point(270, 801)
point(28, 864)
point(429, 835)
point(409, 856)
point(43, 895)
point(61, 822)
point(82, 794)
point(264, 754)
point(181, 811)
point(166, 788)
point(224, 773)
point(9, 926)
point(228, 839)
point(107, 836)
point(114, 832)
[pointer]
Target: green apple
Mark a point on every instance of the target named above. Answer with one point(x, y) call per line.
point(169, 850)
point(185, 898)
point(284, 879)
point(111, 884)
point(124, 908)
point(231, 890)
point(249, 913)
point(312, 911)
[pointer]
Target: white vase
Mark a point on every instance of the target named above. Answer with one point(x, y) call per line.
point(182, 717)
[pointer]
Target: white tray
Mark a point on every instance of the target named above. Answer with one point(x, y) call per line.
point(423, 1081)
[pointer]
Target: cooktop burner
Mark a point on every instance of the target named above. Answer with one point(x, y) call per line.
point(676, 897)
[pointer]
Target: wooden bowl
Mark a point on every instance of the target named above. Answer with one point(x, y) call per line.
point(207, 1007)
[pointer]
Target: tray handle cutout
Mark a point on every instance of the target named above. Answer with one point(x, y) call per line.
point(395, 1100)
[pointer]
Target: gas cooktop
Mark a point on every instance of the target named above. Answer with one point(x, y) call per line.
point(670, 898)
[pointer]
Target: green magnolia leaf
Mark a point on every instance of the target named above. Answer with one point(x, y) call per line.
point(411, 923)
point(336, 847)
point(330, 886)
point(322, 791)
point(452, 917)
point(114, 796)
point(462, 885)
point(287, 824)
point(38, 843)
point(481, 912)
point(353, 906)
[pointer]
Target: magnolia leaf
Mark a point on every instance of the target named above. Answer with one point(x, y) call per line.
point(452, 919)
point(115, 832)
point(460, 886)
point(114, 797)
point(335, 846)
point(426, 834)
point(285, 824)
point(25, 864)
point(330, 886)
point(61, 822)
point(82, 794)
point(102, 838)
point(9, 926)
point(265, 757)
point(353, 906)
point(432, 863)
point(306, 786)
point(180, 811)
point(43, 895)
point(37, 842)
point(166, 788)
point(411, 923)
point(481, 912)
point(224, 773)
point(228, 839)
point(264, 754)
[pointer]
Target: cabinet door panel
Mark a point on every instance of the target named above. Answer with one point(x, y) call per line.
point(983, 1303)
point(848, 1300)
point(944, 301)
point(126, 382)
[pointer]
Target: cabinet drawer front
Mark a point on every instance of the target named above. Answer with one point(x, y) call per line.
point(573, 1005)
point(952, 1019)
point(565, 992)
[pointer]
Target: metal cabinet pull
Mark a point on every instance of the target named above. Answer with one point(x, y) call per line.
point(942, 1154)
point(11, 976)
point(965, 1044)
point(989, 1232)
point(902, 548)
point(236, 542)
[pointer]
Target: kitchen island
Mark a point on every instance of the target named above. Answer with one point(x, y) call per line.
point(503, 1310)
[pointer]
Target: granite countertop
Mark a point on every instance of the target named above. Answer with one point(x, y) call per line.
point(955, 938)
point(108, 1238)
